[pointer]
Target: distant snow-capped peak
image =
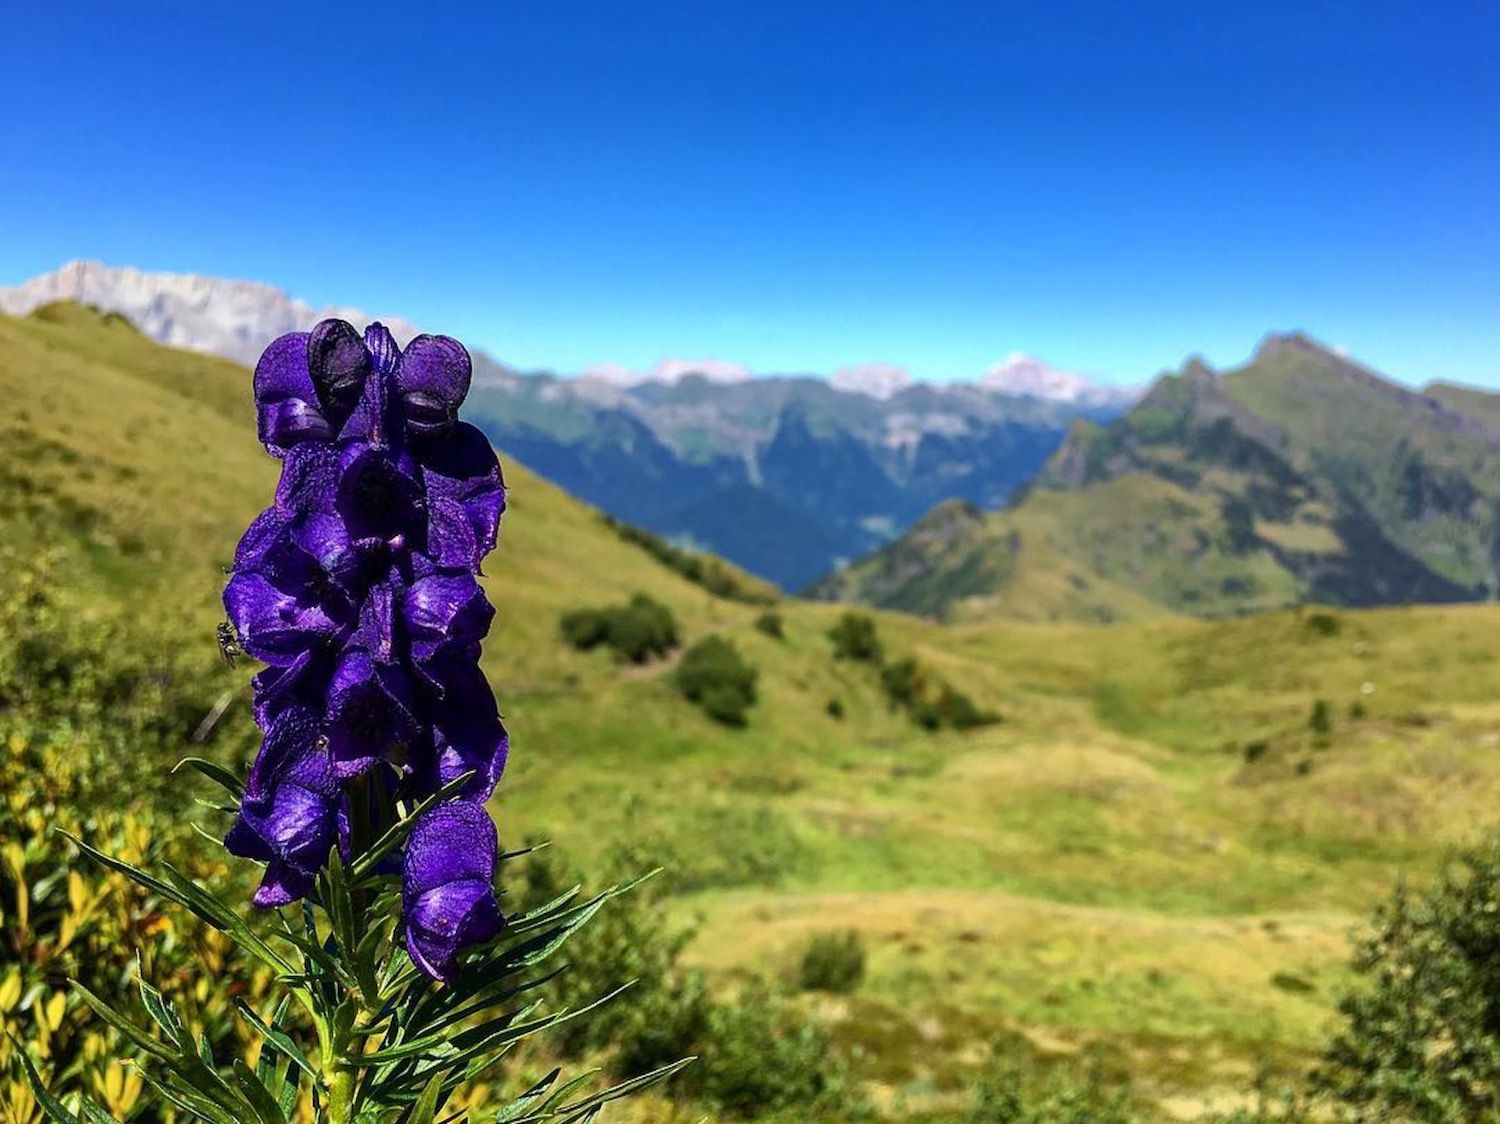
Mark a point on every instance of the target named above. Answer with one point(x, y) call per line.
point(1021, 376)
point(877, 380)
point(670, 370)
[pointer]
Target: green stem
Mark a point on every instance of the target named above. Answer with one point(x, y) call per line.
point(340, 1094)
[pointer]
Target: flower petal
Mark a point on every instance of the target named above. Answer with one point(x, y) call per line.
point(448, 893)
point(453, 841)
point(288, 410)
point(445, 609)
point(369, 716)
point(338, 364)
point(462, 468)
point(273, 626)
point(432, 379)
point(375, 497)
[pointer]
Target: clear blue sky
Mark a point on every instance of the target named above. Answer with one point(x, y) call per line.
point(794, 186)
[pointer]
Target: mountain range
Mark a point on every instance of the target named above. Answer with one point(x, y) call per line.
point(787, 475)
point(1301, 476)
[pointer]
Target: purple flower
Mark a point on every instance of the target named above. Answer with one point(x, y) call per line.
point(289, 814)
point(448, 891)
point(357, 588)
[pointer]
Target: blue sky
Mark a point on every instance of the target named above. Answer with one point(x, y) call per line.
point(791, 186)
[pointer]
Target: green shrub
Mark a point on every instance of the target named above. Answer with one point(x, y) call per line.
point(714, 675)
point(901, 682)
point(1420, 1039)
point(834, 708)
point(636, 631)
point(769, 622)
point(931, 703)
point(854, 638)
point(833, 962)
point(1322, 623)
point(762, 1058)
point(1320, 719)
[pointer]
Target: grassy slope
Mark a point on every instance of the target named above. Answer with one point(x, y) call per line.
point(1482, 405)
point(1103, 867)
point(1378, 459)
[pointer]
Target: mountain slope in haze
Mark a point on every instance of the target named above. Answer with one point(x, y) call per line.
point(698, 451)
point(1301, 476)
point(683, 458)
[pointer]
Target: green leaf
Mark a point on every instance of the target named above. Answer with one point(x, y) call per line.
point(189, 1100)
point(134, 1034)
point(275, 1037)
point(426, 1106)
point(625, 1088)
point(186, 893)
point(216, 773)
point(161, 1012)
point(52, 1108)
point(267, 1108)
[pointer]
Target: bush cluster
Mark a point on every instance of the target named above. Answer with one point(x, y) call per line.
point(714, 675)
point(854, 638)
point(932, 704)
point(700, 569)
point(1421, 1036)
point(639, 630)
point(833, 962)
point(769, 622)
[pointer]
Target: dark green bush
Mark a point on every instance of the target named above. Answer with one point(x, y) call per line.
point(714, 675)
point(931, 703)
point(636, 631)
point(854, 638)
point(1322, 623)
point(1320, 719)
point(833, 962)
point(769, 622)
point(835, 708)
point(762, 1058)
point(901, 682)
point(1421, 1038)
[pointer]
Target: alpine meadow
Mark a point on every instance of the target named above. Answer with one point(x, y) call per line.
point(716, 563)
point(974, 866)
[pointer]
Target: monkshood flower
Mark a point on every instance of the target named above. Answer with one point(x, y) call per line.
point(357, 589)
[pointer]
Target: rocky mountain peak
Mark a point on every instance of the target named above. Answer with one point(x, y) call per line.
point(235, 319)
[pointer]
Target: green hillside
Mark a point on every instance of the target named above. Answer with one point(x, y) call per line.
point(1153, 856)
point(1299, 477)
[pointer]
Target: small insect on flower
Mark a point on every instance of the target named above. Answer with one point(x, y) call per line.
point(229, 643)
